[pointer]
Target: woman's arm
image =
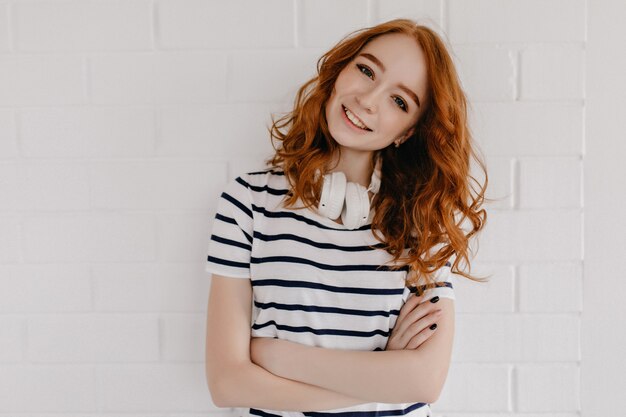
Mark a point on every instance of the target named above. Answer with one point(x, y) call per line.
point(385, 376)
point(233, 380)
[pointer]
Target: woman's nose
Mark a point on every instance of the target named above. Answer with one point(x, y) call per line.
point(368, 100)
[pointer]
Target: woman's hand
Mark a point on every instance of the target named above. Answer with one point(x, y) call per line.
point(413, 326)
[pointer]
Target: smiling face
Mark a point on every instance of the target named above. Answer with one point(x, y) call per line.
point(378, 87)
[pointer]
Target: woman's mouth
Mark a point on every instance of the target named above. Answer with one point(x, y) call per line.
point(353, 121)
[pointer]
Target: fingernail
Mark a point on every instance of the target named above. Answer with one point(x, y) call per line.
point(433, 327)
point(434, 299)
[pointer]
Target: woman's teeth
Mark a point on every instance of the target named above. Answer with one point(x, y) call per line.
point(354, 120)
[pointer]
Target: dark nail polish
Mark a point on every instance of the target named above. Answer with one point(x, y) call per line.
point(433, 327)
point(434, 299)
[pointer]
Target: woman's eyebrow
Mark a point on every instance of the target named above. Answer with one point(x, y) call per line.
point(382, 67)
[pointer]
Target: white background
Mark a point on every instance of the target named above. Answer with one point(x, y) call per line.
point(121, 121)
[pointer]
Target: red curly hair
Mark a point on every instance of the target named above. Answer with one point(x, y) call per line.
point(426, 192)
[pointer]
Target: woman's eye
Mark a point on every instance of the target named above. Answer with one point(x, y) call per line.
point(367, 70)
point(401, 103)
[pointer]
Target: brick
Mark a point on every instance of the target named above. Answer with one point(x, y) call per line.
point(270, 76)
point(167, 287)
point(5, 37)
point(11, 340)
point(219, 131)
point(507, 338)
point(155, 184)
point(546, 388)
point(426, 12)
point(211, 24)
point(471, 388)
point(238, 166)
point(10, 239)
point(183, 236)
point(550, 182)
point(71, 238)
point(163, 78)
point(500, 173)
point(323, 23)
point(45, 288)
point(554, 235)
point(487, 73)
point(87, 132)
point(184, 337)
point(495, 295)
point(83, 26)
point(165, 388)
point(516, 21)
point(486, 338)
point(102, 338)
point(552, 72)
point(551, 287)
point(8, 134)
point(528, 129)
point(58, 389)
point(550, 337)
point(42, 80)
point(44, 186)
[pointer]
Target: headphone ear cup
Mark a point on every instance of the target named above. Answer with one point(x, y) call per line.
point(357, 206)
point(333, 194)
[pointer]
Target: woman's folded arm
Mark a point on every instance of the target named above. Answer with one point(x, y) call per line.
point(249, 385)
point(395, 376)
point(233, 380)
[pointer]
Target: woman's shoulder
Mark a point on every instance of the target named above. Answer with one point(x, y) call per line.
point(267, 174)
point(263, 183)
point(266, 177)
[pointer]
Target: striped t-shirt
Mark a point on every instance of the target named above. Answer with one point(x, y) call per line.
point(314, 281)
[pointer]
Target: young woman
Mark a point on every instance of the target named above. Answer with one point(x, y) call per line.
point(332, 269)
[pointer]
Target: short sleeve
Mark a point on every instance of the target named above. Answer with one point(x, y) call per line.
point(444, 281)
point(231, 234)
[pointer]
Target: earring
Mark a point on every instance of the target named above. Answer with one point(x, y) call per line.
point(397, 143)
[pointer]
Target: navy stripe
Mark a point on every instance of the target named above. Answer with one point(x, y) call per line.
point(319, 309)
point(296, 260)
point(306, 329)
point(237, 203)
point(437, 284)
point(226, 219)
point(257, 412)
point(231, 242)
point(271, 171)
point(228, 263)
point(289, 236)
point(259, 189)
point(233, 221)
point(288, 214)
point(379, 413)
point(325, 287)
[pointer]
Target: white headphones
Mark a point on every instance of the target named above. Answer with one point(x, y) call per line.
point(350, 199)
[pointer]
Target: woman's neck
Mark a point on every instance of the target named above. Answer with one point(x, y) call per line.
point(356, 165)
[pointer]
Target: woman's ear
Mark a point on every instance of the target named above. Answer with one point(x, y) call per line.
point(408, 133)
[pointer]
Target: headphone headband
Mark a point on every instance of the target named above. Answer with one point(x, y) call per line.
point(375, 180)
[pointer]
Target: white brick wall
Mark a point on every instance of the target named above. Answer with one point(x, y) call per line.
point(120, 122)
point(603, 366)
